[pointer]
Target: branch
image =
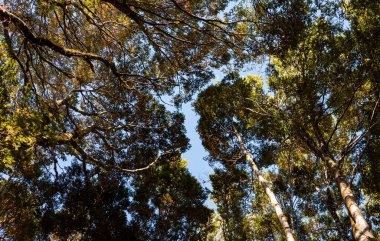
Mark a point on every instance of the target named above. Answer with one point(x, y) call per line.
point(357, 163)
point(341, 117)
point(212, 21)
point(12, 53)
point(21, 25)
point(351, 145)
point(148, 166)
point(259, 113)
point(93, 161)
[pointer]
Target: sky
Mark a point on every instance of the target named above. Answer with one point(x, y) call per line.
point(195, 155)
point(197, 166)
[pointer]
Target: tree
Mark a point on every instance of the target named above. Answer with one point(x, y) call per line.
point(168, 204)
point(88, 151)
point(322, 73)
point(243, 209)
point(85, 91)
point(223, 125)
point(229, 193)
point(90, 204)
point(326, 91)
point(83, 83)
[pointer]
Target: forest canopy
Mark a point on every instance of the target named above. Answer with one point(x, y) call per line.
point(89, 149)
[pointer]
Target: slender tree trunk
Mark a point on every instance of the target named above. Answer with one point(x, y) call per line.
point(265, 184)
point(361, 229)
point(277, 207)
point(330, 203)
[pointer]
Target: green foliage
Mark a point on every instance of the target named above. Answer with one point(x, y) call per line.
point(89, 152)
point(168, 204)
point(81, 81)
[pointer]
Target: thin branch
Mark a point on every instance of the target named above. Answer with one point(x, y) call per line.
point(4, 14)
point(341, 117)
point(93, 161)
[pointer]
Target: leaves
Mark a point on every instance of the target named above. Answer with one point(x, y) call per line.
point(89, 150)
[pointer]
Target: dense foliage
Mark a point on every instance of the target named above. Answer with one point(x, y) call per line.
point(89, 150)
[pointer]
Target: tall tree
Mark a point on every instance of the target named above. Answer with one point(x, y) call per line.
point(323, 72)
point(83, 83)
point(324, 93)
point(85, 90)
point(223, 125)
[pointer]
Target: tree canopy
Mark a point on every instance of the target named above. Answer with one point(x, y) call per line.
point(90, 151)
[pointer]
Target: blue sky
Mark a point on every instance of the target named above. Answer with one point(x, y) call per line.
point(195, 155)
point(198, 167)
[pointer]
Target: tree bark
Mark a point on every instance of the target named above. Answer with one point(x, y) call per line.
point(361, 229)
point(330, 203)
point(272, 197)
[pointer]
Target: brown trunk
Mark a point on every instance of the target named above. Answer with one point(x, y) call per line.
point(361, 229)
point(265, 184)
point(331, 206)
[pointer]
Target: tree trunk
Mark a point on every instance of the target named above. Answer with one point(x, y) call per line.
point(265, 184)
point(361, 229)
point(273, 200)
point(330, 203)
